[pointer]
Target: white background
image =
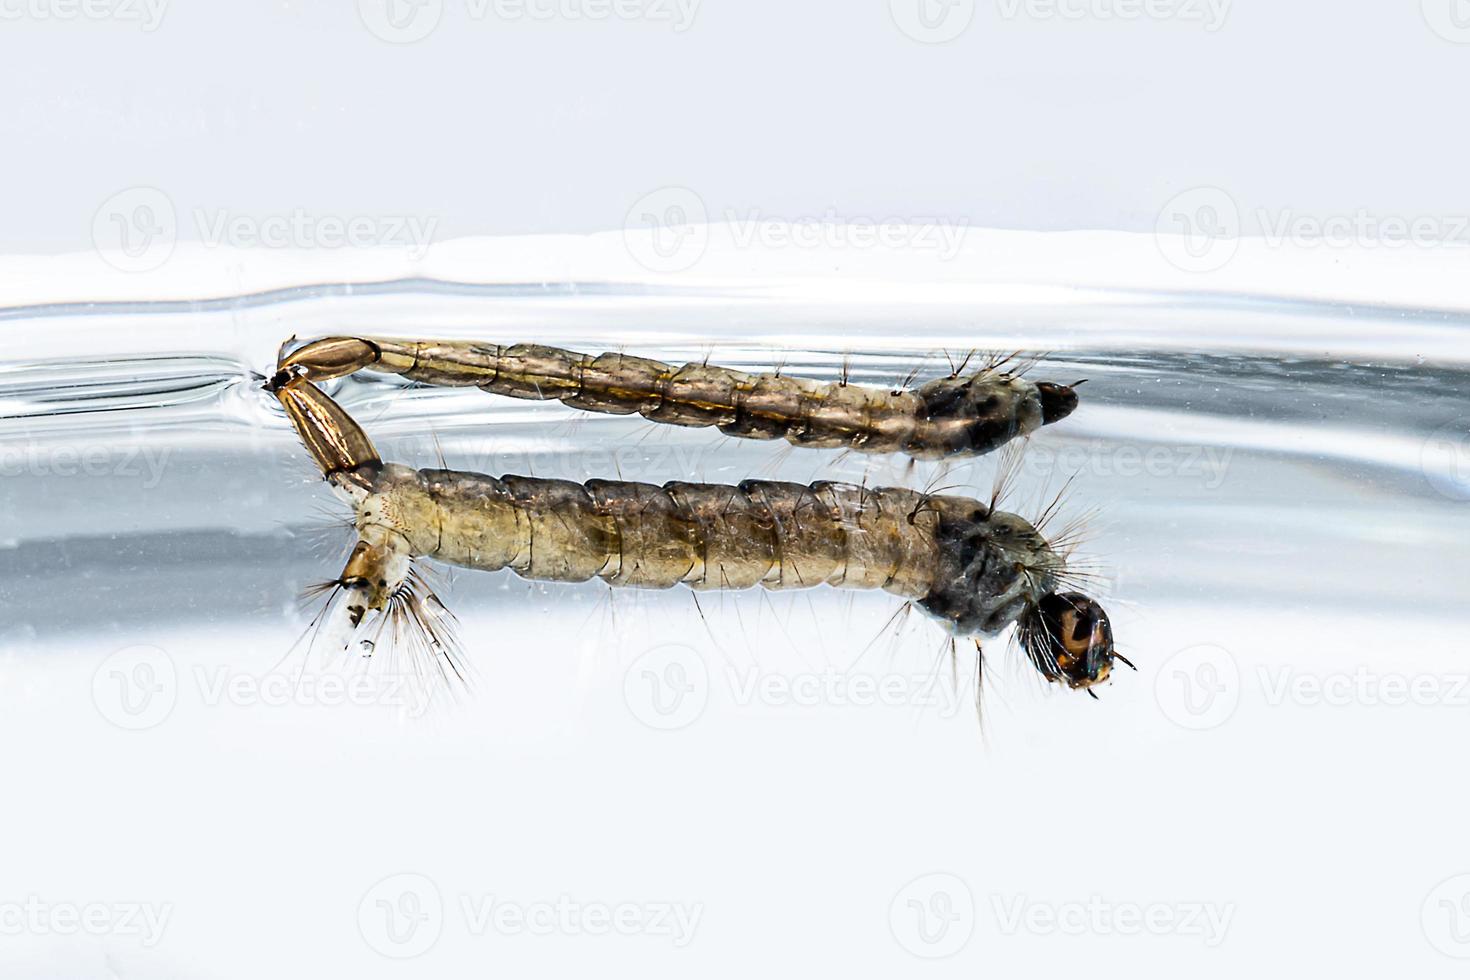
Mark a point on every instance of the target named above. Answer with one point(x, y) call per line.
point(1043, 119)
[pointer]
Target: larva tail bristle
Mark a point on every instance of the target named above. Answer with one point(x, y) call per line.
point(428, 631)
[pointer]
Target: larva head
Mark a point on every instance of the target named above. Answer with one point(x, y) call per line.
point(1068, 637)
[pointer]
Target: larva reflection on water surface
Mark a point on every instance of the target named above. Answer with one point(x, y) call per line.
point(975, 569)
point(957, 416)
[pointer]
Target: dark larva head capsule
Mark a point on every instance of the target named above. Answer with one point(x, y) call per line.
point(1069, 639)
point(1057, 401)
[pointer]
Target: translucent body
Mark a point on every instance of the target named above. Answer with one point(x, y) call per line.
point(951, 417)
point(973, 568)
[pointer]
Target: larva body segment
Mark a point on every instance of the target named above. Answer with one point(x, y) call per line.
point(975, 569)
point(958, 416)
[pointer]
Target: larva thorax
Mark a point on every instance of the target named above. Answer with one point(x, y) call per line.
point(962, 415)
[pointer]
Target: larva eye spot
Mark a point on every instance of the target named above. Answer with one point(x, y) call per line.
point(1069, 639)
point(1057, 401)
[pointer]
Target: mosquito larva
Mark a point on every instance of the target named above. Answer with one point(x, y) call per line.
point(961, 415)
point(975, 569)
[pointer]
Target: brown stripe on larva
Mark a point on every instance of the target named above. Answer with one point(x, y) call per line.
point(963, 415)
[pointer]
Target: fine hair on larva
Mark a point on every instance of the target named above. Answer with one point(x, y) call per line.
point(968, 413)
point(975, 569)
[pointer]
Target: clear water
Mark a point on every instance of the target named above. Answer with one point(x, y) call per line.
point(1278, 497)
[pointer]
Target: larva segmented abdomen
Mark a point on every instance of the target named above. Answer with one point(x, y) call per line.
point(975, 568)
point(957, 416)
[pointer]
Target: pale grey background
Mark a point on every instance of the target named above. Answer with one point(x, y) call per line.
point(496, 127)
